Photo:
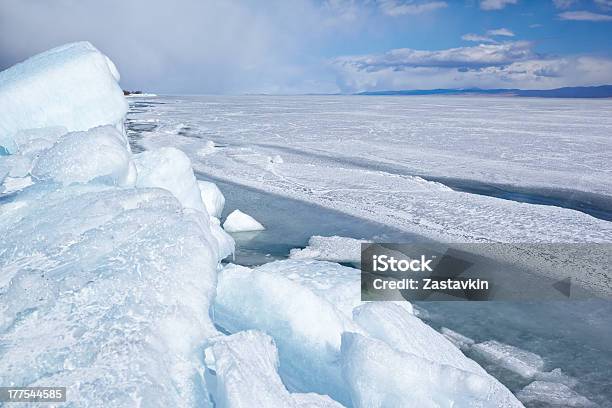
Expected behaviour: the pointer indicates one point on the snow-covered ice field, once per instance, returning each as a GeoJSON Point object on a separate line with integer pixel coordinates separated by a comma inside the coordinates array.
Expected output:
{"type": "Point", "coordinates": [553, 145]}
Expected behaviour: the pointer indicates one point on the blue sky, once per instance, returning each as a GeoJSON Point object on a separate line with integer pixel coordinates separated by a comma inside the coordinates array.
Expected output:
{"type": "Point", "coordinates": [304, 46]}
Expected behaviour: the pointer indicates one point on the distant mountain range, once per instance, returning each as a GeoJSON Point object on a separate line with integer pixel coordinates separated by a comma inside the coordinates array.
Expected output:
{"type": "Point", "coordinates": [603, 91]}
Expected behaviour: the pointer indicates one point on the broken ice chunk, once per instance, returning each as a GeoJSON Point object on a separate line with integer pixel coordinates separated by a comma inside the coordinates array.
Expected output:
{"type": "Point", "coordinates": [404, 332]}
{"type": "Point", "coordinates": [72, 86]}
{"type": "Point", "coordinates": [306, 327]}
{"type": "Point", "coordinates": [243, 373]}
{"type": "Point", "coordinates": [553, 394]}
{"type": "Point", "coordinates": [238, 221]}
{"type": "Point", "coordinates": [170, 169]}
{"type": "Point", "coordinates": [519, 361]}
{"type": "Point", "coordinates": [213, 198]}
{"type": "Point", "coordinates": [80, 157]}
{"type": "Point", "coordinates": [557, 376]}
{"type": "Point", "coordinates": [380, 376]}
{"type": "Point", "coordinates": [334, 249]}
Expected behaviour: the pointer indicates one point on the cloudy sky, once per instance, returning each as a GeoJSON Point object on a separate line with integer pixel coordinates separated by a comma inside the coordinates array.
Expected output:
{"type": "Point", "coordinates": [324, 46]}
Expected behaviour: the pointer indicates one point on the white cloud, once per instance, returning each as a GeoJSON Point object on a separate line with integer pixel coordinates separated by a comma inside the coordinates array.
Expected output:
{"type": "Point", "coordinates": [501, 32]}
{"type": "Point", "coordinates": [495, 4]}
{"type": "Point", "coordinates": [481, 55]}
{"type": "Point", "coordinates": [509, 65]}
{"type": "Point", "coordinates": [477, 38]}
{"type": "Point", "coordinates": [396, 8]}
{"type": "Point", "coordinates": [584, 16]}
{"type": "Point", "coordinates": [564, 4]}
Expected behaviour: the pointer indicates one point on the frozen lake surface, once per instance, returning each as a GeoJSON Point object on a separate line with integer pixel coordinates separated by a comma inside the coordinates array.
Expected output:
{"type": "Point", "coordinates": [404, 169]}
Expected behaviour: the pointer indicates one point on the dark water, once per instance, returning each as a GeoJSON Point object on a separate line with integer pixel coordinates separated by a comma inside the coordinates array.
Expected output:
{"type": "Point", "coordinates": [595, 205]}
{"type": "Point", "coordinates": [290, 223]}
{"type": "Point", "coordinates": [575, 336]}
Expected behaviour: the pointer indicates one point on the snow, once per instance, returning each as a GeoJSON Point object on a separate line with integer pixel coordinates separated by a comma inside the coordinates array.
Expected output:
{"type": "Point", "coordinates": [553, 395]}
{"type": "Point", "coordinates": [80, 157]}
{"type": "Point", "coordinates": [277, 159]}
{"type": "Point", "coordinates": [170, 169]}
{"type": "Point", "coordinates": [521, 362]}
{"type": "Point", "coordinates": [381, 376]}
{"type": "Point", "coordinates": [334, 249]}
{"type": "Point", "coordinates": [212, 197]}
{"type": "Point", "coordinates": [243, 373]}
{"type": "Point", "coordinates": [105, 278]}
{"type": "Point", "coordinates": [237, 221]}
{"type": "Point", "coordinates": [73, 86]}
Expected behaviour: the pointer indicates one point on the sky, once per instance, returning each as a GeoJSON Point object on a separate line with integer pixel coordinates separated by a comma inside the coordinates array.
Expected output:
{"type": "Point", "coordinates": [324, 46]}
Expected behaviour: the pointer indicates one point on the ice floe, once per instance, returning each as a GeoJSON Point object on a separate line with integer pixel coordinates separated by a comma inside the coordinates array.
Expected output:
{"type": "Point", "coordinates": [552, 394]}
{"type": "Point", "coordinates": [237, 221]}
{"type": "Point", "coordinates": [519, 361]}
{"type": "Point", "coordinates": [334, 249]}
{"type": "Point", "coordinates": [556, 376]}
